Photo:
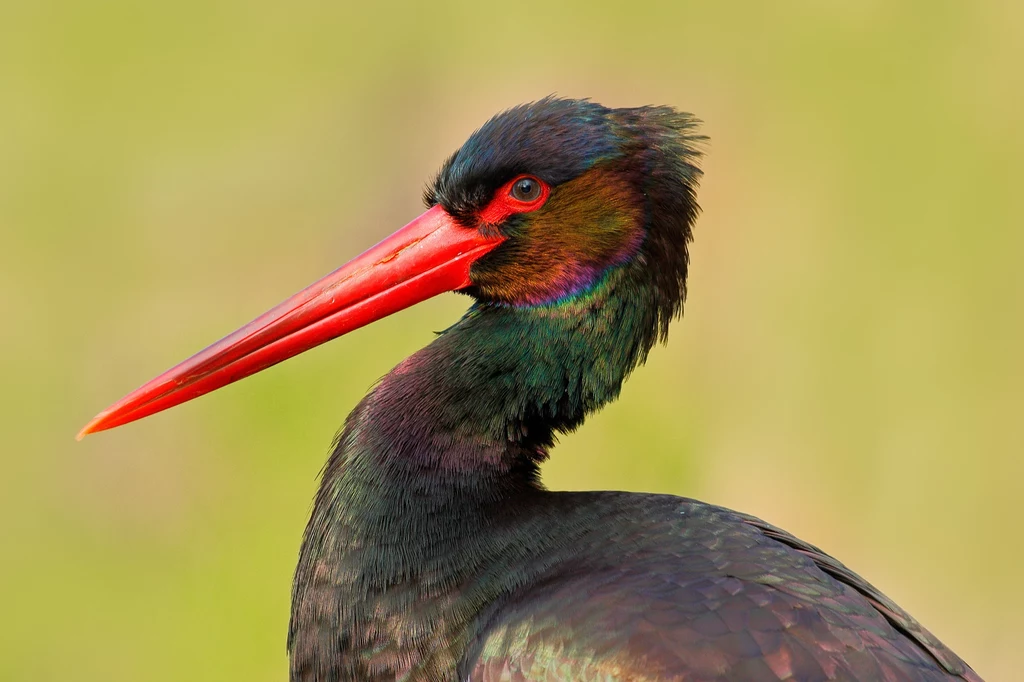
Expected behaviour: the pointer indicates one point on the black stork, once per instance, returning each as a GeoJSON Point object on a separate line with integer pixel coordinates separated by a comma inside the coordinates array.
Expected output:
{"type": "Point", "coordinates": [433, 551]}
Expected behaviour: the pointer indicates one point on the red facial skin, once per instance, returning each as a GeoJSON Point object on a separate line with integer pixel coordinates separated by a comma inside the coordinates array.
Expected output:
{"type": "Point", "coordinates": [504, 205]}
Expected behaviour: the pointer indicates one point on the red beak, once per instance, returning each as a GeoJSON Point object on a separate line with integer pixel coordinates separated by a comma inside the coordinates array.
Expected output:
{"type": "Point", "coordinates": [429, 256]}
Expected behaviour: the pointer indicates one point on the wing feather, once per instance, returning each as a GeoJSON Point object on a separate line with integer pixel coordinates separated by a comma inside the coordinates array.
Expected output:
{"type": "Point", "coordinates": [707, 594]}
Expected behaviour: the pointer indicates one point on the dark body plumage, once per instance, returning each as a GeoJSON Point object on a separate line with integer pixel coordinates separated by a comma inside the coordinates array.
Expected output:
{"type": "Point", "coordinates": [433, 552]}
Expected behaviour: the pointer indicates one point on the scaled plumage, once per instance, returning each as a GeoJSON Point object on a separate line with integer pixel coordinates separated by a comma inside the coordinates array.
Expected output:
{"type": "Point", "coordinates": [433, 551]}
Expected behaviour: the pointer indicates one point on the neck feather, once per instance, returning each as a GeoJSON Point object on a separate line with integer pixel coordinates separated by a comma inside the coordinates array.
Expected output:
{"type": "Point", "coordinates": [466, 421]}
{"type": "Point", "coordinates": [503, 381]}
{"type": "Point", "coordinates": [439, 464]}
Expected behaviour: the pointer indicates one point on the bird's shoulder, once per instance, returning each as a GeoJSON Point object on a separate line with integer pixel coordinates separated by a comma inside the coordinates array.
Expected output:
{"type": "Point", "coordinates": [669, 588]}
{"type": "Point", "coordinates": [901, 621]}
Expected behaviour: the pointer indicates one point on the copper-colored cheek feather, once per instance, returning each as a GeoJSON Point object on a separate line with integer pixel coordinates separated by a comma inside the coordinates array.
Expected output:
{"type": "Point", "coordinates": [433, 552]}
{"type": "Point", "coordinates": [588, 226]}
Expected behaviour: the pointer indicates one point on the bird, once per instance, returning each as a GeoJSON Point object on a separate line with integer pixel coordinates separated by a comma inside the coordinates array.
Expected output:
{"type": "Point", "coordinates": [433, 550]}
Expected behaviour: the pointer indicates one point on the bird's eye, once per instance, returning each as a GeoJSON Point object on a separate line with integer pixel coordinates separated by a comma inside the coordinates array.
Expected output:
{"type": "Point", "coordinates": [522, 194]}
{"type": "Point", "coordinates": [526, 189]}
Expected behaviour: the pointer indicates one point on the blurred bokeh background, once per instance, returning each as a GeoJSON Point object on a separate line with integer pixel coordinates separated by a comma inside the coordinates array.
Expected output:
{"type": "Point", "coordinates": [850, 365]}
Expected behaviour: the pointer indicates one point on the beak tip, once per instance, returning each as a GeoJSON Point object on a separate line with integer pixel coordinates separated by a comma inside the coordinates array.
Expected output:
{"type": "Point", "coordinates": [92, 427]}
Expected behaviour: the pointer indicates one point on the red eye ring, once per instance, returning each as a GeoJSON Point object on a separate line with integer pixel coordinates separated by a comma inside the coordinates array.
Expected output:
{"type": "Point", "coordinates": [506, 202]}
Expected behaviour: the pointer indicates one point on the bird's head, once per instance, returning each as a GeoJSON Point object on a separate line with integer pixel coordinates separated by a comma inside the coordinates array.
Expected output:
{"type": "Point", "coordinates": [575, 190]}
{"type": "Point", "coordinates": [540, 205]}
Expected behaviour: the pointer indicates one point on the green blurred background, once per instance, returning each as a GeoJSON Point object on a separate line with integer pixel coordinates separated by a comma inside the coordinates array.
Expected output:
{"type": "Point", "coordinates": [849, 367]}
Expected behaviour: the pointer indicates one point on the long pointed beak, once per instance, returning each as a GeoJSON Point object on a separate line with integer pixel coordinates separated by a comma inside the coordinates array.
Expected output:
{"type": "Point", "coordinates": [429, 256]}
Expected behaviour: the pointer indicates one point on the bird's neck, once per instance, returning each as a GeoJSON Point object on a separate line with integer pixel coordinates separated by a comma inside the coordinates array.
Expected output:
{"type": "Point", "coordinates": [444, 452]}
{"type": "Point", "coordinates": [488, 396]}
{"type": "Point", "coordinates": [467, 420]}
